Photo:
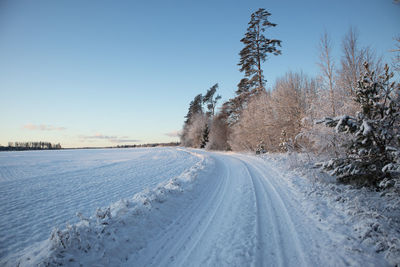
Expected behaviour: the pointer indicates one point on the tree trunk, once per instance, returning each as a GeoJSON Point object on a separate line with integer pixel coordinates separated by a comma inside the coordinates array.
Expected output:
{"type": "Point", "coordinates": [259, 57]}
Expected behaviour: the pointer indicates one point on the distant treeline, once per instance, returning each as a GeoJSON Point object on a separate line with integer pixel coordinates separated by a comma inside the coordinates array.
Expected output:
{"type": "Point", "coordinates": [151, 145]}
{"type": "Point", "coordinates": [19, 146]}
{"type": "Point", "coordinates": [12, 146]}
{"type": "Point", "coordinates": [133, 146]}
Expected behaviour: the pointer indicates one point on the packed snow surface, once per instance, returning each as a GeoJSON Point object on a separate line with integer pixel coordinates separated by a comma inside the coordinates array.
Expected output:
{"type": "Point", "coordinates": [206, 209]}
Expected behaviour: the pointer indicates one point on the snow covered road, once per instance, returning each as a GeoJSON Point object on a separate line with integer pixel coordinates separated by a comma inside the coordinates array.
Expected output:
{"type": "Point", "coordinates": [244, 216]}
{"type": "Point", "coordinates": [239, 219]}
{"type": "Point", "coordinates": [228, 209]}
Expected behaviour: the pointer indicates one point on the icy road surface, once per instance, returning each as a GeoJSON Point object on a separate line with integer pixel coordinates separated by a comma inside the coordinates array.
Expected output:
{"type": "Point", "coordinates": [226, 209]}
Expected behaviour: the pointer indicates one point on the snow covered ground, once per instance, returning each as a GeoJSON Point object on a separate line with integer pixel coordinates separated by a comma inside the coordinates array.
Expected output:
{"type": "Point", "coordinates": [205, 209]}
{"type": "Point", "coordinates": [40, 190]}
{"type": "Point", "coordinates": [369, 220]}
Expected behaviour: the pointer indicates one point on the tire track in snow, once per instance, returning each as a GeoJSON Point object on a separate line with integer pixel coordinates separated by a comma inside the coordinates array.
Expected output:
{"type": "Point", "coordinates": [287, 245]}
{"type": "Point", "coordinates": [228, 238]}
{"type": "Point", "coordinates": [201, 236]}
{"type": "Point", "coordinates": [218, 197]}
{"type": "Point", "coordinates": [180, 236]}
{"type": "Point", "coordinates": [264, 232]}
{"type": "Point", "coordinates": [214, 229]}
{"type": "Point", "coordinates": [321, 248]}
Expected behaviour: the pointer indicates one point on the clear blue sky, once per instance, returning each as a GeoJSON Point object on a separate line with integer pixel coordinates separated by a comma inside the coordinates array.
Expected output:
{"type": "Point", "coordinates": [95, 73]}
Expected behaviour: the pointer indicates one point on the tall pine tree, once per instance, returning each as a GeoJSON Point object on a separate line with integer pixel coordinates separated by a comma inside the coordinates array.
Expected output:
{"type": "Point", "coordinates": [195, 107]}
{"type": "Point", "coordinates": [257, 46]}
{"type": "Point", "coordinates": [255, 51]}
{"type": "Point", "coordinates": [210, 100]}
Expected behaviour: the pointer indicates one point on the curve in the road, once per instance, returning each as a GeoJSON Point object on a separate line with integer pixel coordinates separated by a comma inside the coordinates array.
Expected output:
{"type": "Point", "coordinates": [238, 219]}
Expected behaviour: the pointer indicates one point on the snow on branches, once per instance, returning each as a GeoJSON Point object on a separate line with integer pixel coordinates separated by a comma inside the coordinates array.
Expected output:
{"type": "Point", "coordinates": [372, 156]}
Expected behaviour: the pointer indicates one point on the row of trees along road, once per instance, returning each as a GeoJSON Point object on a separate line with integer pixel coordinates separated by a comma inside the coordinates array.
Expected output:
{"type": "Point", "coordinates": [354, 96]}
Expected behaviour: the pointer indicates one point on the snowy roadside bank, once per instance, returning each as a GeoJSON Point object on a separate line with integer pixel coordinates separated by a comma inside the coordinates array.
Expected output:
{"type": "Point", "coordinates": [369, 220]}
{"type": "Point", "coordinates": [120, 229]}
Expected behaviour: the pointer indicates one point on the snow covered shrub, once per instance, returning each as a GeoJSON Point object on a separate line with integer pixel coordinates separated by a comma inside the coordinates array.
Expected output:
{"type": "Point", "coordinates": [256, 125]}
{"type": "Point", "coordinates": [322, 141]}
{"type": "Point", "coordinates": [372, 155]}
{"type": "Point", "coordinates": [218, 136]}
{"type": "Point", "coordinates": [196, 130]}
{"type": "Point", "coordinates": [286, 144]}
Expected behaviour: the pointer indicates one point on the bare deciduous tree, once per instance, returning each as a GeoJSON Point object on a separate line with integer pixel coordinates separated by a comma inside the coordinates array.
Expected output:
{"type": "Point", "coordinates": [327, 67]}
{"type": "Point", "coordinates": [219, 132]}
{"type": "Point", "coordinates": [351, 67]}
{"type": "Point", "coordinates": [351, 62]}
{"type": "Point", "coordinates": [396, 58]}
{"type": "Point", "coordinates": [256, 125]}
{"type": "Point", "coordinates": [267, 114]}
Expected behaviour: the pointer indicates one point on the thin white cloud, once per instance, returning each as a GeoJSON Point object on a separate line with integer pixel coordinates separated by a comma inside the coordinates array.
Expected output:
{"type": "Point", "coordinates": [124, 141]}
{"type": "Point", "coordinates": [173, 134]}
{"type": "Point", "coordinates": [111, 138]}
{"type": "Point", "coordinates": [99, 136]}
{"type": "Point", "coordinates": [43, 127]}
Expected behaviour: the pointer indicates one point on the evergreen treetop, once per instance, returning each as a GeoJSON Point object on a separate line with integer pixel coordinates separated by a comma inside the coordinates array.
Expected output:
{"type": "Point", "coordinates": [257, 46]}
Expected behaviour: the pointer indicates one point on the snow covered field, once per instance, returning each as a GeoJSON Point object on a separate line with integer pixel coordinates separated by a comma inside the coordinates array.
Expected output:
{"type": "Point", "coordinates": [40, 190]}
{"type": "Point", "coordinates": [201, 209]}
